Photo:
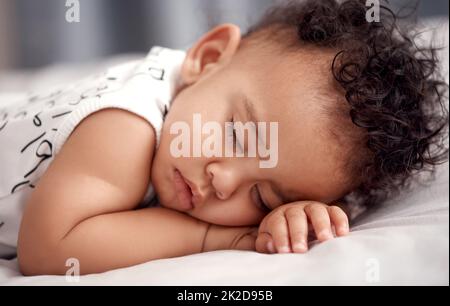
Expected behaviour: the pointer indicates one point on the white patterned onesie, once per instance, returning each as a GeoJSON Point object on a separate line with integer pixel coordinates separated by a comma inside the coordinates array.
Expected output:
{"type": "Point", "coordinates": [33, 130]}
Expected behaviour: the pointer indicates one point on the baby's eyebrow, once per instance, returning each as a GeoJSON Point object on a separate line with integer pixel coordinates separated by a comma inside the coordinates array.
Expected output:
{"type": "Point", "coordinates": [252, 116]}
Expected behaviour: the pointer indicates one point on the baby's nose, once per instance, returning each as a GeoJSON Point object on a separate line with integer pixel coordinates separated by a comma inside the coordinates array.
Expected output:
{"type": "Point", "coordinates": [225, 178]}
{"type": "Point", "coordinates": [219, 194]}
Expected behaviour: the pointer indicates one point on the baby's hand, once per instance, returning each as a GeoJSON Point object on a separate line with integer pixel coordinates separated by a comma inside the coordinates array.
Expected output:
{"type": "Point", "coordinates": [285, 229]}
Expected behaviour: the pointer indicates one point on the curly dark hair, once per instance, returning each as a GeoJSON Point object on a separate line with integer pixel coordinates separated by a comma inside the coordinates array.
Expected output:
{"type": "Point", "coordinates": [393, 89]}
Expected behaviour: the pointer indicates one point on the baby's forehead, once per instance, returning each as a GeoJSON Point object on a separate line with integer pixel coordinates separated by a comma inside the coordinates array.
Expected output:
{"type": "Point", "coordinates": [285, 76]}
{"type": "Point", "coordinates": [269, 53]}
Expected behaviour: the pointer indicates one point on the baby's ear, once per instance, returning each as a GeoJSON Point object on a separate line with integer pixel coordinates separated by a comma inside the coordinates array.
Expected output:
{"type": "Point", "coordinates": [212, 50]}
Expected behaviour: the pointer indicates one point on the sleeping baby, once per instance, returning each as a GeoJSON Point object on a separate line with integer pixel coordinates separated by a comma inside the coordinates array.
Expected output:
{"type": "Point", "coordinates": [258, 142]}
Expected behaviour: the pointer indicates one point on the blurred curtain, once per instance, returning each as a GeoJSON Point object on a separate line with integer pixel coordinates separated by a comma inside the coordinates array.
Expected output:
{"type": "Point", "coordinates": [34, 33]}
{"type": "Point", "coordinates": [116, 26]}
{"type": "Point", "coordinates": [8, 35]}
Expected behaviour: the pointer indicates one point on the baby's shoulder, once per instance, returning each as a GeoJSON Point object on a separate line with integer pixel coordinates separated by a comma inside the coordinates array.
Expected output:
{"type": "Point", "coordinates": [112, 145]}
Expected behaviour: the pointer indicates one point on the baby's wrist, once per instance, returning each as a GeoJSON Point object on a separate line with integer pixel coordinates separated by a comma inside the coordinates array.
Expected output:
{"type": "Point", "coordinates": [219, 237]}
{"type": "Point", "coordinates": [214, 238]}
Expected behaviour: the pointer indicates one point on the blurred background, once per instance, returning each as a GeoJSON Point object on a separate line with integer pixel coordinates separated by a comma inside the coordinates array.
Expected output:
{"type": "Point", "coordinates": [35, 33]}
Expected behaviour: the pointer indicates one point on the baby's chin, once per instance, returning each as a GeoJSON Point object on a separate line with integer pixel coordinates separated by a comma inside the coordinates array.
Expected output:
{"type": "Point", "coordinates": [167, 203]}
{"type": "Point", "coordinates": [164, 199]}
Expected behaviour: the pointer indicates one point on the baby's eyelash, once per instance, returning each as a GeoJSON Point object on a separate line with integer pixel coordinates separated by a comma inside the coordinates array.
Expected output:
{"type": "Point", "coordinates": [232, 125]}
{"type": "Point", "coordinates": [260, 202]}
{"type": "Point", "coordinates": [234, 134]}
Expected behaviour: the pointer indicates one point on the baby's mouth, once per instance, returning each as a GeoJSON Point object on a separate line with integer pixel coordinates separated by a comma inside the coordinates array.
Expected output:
{"type": "Point", "coordinates": [183, 191]}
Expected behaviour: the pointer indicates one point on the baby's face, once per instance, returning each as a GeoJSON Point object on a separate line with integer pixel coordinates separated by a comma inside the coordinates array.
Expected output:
{"type": "Point", "coordinates": [281, 89]}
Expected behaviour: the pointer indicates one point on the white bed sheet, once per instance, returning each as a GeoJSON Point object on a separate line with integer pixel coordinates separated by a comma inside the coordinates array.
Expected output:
{"type": "Point", "coordinates": [403, 242]}
{"type": "Point", "coordinates": [407, 240]}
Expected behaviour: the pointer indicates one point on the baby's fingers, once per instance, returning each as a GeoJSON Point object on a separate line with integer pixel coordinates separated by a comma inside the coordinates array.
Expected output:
{"type": "Point", "coordinates": [280, 234]}
{"type": "Point", "coordinates": [320, 220]}
{"type": "Point", "coordinates": [339, 220]}
{"type": "Point", "coordinates": [298, 229]}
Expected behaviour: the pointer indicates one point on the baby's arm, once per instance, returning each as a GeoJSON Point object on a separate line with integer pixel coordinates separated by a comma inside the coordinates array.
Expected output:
{"type": "Point", "coordinates": [83, 206]}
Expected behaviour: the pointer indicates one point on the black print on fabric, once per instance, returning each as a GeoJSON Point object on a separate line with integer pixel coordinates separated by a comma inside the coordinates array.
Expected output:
{"type": "Point", "coordinates": [18, 185]}
{"type": "Point", "coordinates": [50, 103]}
{"type": "Point", "coordinates": [36, 120]}
{"type": "Point", "coordinates": [22, 114]}
{"type": "Point", "coordinates": [33, 99]}
{"type": "Point", "coordinates": [3, 119]}
{"type": "Point", "coordinates": [62, 114]}
{"type": "Point", "coordinates": [95, 92]}
{"type": "Point", "coordinates": [157, 73]}
{"type": "Point", "coordinates": [40, 146]}
{"type": "Point", "coordinates": [43, 151]}
{"type": "Point", "coordinates": [73, 98]}
{"type": "Point", "coordinates": [51, 95]}
{"type": "Point", "coordinates": [165, 112]}
{"type": "Point", "coordinates": [156, 51]}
